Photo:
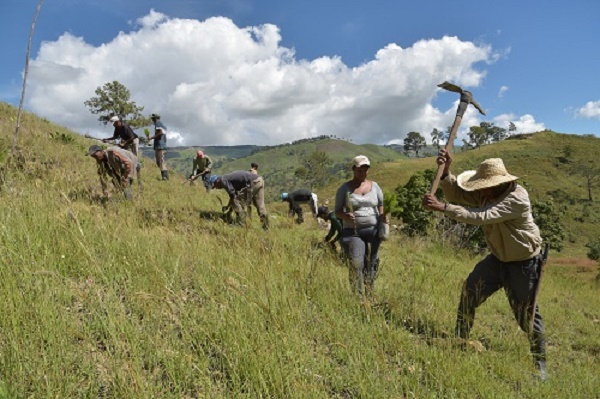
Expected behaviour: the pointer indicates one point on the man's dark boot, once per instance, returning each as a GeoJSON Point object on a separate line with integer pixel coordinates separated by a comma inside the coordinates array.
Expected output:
{"type": "Point", "coordinates": [540, 366]}
{"type": "Point", "coordinates": [240, 219]}
{"type": "Point", "coordinates": [265, 222]}
{"type": "Point", "coordinates": [164, 174]}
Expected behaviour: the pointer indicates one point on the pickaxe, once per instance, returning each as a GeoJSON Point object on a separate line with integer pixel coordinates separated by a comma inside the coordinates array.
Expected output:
{"type": "Point", "coordinates": [122, 144]}
{"type": "Point", "coordinates": [537, 286]}
{"type": "Point", "coordinates": [87, 136]}
{"type": "Point", "coordinates": [466, 98]}
{"type": "Point", "coordinates": [192, 178]}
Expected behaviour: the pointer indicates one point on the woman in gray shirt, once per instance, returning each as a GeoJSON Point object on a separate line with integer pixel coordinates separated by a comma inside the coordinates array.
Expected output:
{"type": "Point", "coordinates": [359, 205]}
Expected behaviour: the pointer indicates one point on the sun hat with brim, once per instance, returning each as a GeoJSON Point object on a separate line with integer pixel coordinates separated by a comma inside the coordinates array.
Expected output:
{"type": "Point", "coordinates": [490, 173]}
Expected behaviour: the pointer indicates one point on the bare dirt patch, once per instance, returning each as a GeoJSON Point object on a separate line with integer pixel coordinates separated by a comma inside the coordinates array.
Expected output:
{"type": "Point", "coordinates": [581, 264]}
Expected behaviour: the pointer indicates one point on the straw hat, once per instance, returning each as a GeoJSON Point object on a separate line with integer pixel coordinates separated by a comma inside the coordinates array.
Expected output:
{"type": "Point", "coordinates": [490, 173]}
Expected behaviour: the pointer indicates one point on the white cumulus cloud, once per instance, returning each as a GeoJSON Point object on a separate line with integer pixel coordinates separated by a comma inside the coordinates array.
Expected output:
{"type": "Point", "coordinates": [213, 82]}
{"type": "Point", "coordinates": [524, 124]}
{"type": "Point", "coordinates": [590, 110]}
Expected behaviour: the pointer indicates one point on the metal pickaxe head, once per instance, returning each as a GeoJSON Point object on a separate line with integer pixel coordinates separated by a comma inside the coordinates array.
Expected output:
{"type": "Point", "coordinates": [466, 98]}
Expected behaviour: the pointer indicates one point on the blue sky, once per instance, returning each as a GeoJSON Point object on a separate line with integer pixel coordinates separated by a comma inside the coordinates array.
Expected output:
{"type": "Point", "coordinates": [265, 72]}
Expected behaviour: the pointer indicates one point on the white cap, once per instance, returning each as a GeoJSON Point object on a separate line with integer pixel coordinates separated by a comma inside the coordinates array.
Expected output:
{"type": "Point", "coordinates": [114, 119]}
{"type": "Point", "coordinates": [360, 161]}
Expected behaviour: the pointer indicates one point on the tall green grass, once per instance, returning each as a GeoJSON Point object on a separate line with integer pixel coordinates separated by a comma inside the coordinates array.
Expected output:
{"type": "Point", "coordinates": [160, 298]}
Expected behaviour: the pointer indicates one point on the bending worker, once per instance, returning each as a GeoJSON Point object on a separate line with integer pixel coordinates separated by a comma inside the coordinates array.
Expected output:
{"type": "Point", "coordinates": [298, 197]}
{"type": "Point", "coordinates": [335, 226]}
{"type": "Point", "coordinates": [118, 164]}
{"type": "Point", "coordinates": [243, 187]}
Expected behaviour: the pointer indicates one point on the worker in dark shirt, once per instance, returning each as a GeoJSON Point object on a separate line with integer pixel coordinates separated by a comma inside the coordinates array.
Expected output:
{"type": "Point", "coordinates": [298, 197]}
{"type": "Point", "coordinates": [123, 132]}
{"type": "Point", "coordinates": [243, 187]}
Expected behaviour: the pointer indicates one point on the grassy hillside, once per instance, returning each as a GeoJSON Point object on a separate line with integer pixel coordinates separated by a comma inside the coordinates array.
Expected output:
{"type": "Point", "coordinates": [160, 298]}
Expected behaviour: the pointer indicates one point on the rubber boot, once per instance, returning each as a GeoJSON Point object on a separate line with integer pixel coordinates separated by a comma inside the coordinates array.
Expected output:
{"type": "Point", "coordinates": [241, 219]}
{"type": "Point", "coordinates": [128, 193]}
{"type": "Point", "coordinates": [139, 177]}
{"type": "Point", "coordinates": [540, 366]}
{"type": "Point", "coordinates": [265, 222]}
{"type": "Point", "coordinates": [164, 174]}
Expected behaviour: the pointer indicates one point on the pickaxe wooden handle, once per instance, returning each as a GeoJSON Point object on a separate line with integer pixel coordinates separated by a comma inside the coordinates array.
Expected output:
{"type": "Point", "coordinates": [537, 287]}
{"type": "Point", "coordinates": [87, 136]}
{"type": "Point", "coordinates": [466, 98]}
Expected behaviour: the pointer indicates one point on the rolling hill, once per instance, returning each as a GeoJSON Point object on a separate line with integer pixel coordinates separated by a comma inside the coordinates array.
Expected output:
{"type": "Point", "coordinates": [159, 297]}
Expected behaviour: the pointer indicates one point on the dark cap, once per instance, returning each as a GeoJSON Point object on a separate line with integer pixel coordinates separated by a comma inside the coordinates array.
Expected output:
{"type": "Point", "coordinates": [254, 165]}
{"type": "Point", "coordinates": [155, 116]}
{"type": "Point", "coordinates": [322, 211]}
{"type": "Point", "coordinates": [94, 149]}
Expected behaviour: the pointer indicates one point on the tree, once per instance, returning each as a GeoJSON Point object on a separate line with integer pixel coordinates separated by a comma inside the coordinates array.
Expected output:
{"type": "Point", "coordinates": [436, 137]}
{"type": "Point", "coordinates": [477, 136]}
{"type": "Point", "coordinates": [493, 133]}
{"type": "Point", "coordinates": [414, 142]}
{"type": "Point", "coordinates": [590, 171]}
{"type": "Point", "coordinates": [317, 168]}
{"type": "Point", "coordinates": [497, 134]}
{"type": "Point", "coordinates": [114, 99]}
{"type": "Point", "coordinates": [512, 128]}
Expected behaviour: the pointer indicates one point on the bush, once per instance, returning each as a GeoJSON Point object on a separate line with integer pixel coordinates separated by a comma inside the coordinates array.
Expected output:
{"type": "Point", "coordinates": [547, 216]}
{"type": "Point", "coordinates": [594, 250]}
{"type": "Point", "coordinates": [409, 198]}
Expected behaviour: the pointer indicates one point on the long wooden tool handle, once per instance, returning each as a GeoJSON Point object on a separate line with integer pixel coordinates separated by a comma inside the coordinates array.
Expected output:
{"type": "Point", "coordinates": [448, 148]}
{"type": "Point", "coordinates": [537, 286]}
{"type": "Point", "coordinates": [87, 136]}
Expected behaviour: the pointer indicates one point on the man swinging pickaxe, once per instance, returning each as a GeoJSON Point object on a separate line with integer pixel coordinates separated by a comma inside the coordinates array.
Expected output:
{"type": "Point", "coordinates": [491, 197]}
{"type": "Point", "coordinates": [466, 98]}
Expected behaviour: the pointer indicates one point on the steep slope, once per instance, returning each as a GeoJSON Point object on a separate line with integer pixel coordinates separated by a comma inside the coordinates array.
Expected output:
{"type": "Point", "coordinates": [159, 298]}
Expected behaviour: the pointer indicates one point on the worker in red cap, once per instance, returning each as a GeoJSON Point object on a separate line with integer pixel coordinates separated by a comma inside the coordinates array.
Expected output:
{"type": "Point", "coordinates": [201, 168]}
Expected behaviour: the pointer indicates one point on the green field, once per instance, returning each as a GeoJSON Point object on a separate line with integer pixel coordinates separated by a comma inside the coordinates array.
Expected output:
{"type": "Point", "coordinates": [159, 298]}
